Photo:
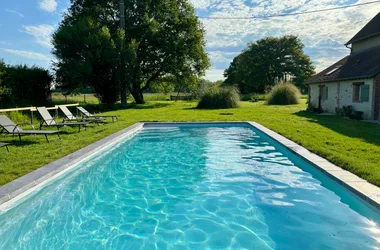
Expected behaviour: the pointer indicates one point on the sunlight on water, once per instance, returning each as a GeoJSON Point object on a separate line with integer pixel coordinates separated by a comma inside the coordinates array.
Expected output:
{"type": "Point", "coordinates": [192, 188]}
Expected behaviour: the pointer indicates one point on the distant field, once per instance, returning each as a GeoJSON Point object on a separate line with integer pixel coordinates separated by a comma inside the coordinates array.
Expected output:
{"type": "Point", "coordinates": [59, 98]}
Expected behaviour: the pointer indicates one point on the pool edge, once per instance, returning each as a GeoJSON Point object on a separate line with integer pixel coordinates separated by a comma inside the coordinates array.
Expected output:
{"type": "Point", "coordinates": [357, 185]}
{"type": "Point", "coordinates": [18, 188]}
{"type": "Point", "coordinates": [24, 184]}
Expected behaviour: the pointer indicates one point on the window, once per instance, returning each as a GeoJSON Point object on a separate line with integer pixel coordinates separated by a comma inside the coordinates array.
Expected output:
{"type": "Point", "coordinates": [356, 93]}
{"type": "Point", "coordinates": [333, 70]}
{"type": "Point", "coordinates": [360, 92]}
{"type": "Point", "coordinates": [324, 92]}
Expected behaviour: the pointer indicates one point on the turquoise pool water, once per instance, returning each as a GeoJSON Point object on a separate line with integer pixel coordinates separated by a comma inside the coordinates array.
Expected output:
{"type": "Point", "coordinates": [215, 187]}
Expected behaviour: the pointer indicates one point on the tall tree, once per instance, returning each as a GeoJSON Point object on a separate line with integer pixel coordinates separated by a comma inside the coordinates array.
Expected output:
{"type": "Point", "coordinates": [165, 36]}
{"type": "Point", "coordinates": [87, 55]}
{"type": "Point", "coordinates": [267, 61]}
{"type": "Point", "coordinates": [123, 91]}
{"type": "Point", "coordinates": [4, 91]}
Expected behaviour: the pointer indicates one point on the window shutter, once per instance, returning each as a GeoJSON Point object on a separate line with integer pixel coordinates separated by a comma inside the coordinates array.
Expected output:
{"type": "Point", "coordinates": [364, 93]}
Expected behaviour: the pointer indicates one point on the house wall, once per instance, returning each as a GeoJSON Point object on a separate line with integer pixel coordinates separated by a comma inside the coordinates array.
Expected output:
{"type": "Point", "coordinates": [366, 44]}
{"type": "Point", "coordinates": [343, 98]}
{"type": "Point", "coordinates": [376, 98]}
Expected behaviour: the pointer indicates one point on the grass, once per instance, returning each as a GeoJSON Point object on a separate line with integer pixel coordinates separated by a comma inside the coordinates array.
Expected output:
{"type": "Point", "coordinates": [353, 145]}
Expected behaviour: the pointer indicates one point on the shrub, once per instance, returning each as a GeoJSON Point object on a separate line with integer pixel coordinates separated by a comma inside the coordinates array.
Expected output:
{"type": "Point", "coordinates": [220, 98]}
{"type": "Point", "coordinates": [284, 94]}
{"type": "Point", "coordinates": [350, 112]}
{"type": "Point", "coordinates": [26, 85]}
{"type": "Point", "coordinates": [5, 93]}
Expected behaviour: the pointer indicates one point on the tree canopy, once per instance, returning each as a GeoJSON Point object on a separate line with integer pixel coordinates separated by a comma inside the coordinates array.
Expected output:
{"type": "Point", "coordinates": [87, 53]}
{"type": "Point", "coordinates": [161, 38]}
{"type": "Point", "coordinates": [21, 85]}
{"type": "Point", "coordinates": [267, 61]}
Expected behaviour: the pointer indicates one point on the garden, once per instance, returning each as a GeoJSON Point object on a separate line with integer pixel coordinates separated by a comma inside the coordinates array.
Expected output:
{"type": "Point", "coordinates": [352, 145]}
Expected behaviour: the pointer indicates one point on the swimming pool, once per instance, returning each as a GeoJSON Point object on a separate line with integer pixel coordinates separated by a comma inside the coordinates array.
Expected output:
{"type": "Point", "coordinates": [192, 187]}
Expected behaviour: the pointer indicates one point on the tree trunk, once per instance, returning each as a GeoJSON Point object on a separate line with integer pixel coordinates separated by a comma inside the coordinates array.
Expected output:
{"type": "Point", "coordinates": [138, 96]}
{"type": "Point", "coordinates": [123, 91]}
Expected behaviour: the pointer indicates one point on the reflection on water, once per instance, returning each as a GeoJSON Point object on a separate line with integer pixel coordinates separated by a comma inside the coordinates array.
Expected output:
{"type": "Point", "coordinates": [192, 188]}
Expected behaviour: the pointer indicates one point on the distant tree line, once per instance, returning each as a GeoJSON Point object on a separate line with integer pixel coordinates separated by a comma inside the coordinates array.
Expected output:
{"type": "Point", "coordinates": [21, 85]}
{"type": "Point", "coordinates": [161, 39]}
{"type": "Point", "coordinates": [269, 61]}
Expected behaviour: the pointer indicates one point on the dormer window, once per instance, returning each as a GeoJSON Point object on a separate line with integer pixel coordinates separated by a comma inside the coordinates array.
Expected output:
{"type": "Point", "coordinates": [333, 70]}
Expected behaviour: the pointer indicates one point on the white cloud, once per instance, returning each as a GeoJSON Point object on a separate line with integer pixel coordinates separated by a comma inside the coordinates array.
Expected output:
{"type": "Point", "coordinates": [14, 12]}
{"type": "Point", "coordinates": [41, 33]}
{"type": "Point", "coordinates": [221, 56]}
{"type": "Point", "coordinates": [48, 5]}
{"type": "Point", "coordinates": [28, 54]}
{"type": "Point", "coordinates": [214, 75]}
{"type": "Point", "coordinates": [204, 4]}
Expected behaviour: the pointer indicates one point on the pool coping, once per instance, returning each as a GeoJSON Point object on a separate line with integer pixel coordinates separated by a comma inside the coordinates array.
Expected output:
{"type": "Point", "coordinates": [15, 190]}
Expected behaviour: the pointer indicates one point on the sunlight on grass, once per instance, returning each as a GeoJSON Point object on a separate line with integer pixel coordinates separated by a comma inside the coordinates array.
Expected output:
{"type": "Point", "coordinates": [350, 144]}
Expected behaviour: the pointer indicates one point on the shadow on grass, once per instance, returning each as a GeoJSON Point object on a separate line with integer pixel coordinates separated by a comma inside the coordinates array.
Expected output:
{"type": "Point", "coordinates": [148, 106]}
{"type": "Point", "coordinates": [193, 108]}
{"type": "Point", "coordinates": [356, 129]}
{"type": "Point", "coordinates": [15, 142]}
{"type": "Point", "coordinates": [222, 113]}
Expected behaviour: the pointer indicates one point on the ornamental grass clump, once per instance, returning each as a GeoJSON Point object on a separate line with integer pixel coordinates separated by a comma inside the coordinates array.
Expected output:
{"type": "Point", "coordinates": [284, 94]}
{"type": "Point", "coordinates": [220, 98]}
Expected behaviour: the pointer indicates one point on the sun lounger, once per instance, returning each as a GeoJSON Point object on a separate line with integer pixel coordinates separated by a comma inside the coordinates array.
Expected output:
{"type": "Point", "coordinates": [70, 117]}
{"type": "Point", "coordinates": [49, 121]}
{"type": "Point", "coordinates": [87, 114]}
{"type": "Point", "coordinates": [9, 127]}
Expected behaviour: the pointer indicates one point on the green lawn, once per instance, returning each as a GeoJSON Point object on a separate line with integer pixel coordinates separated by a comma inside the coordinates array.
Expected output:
{"type": "Point", "coordinates": [352, 145]}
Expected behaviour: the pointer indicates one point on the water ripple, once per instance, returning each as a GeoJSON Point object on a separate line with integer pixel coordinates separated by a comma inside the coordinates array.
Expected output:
{"type": "Point", "coordinates": [191, 188]}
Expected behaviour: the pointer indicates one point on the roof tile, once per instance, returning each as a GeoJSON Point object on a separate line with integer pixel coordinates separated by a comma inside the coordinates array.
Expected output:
{"type": "Point", "coordinates": [365, 64]}
{"type": "Point", "coordinates": [372, 28]}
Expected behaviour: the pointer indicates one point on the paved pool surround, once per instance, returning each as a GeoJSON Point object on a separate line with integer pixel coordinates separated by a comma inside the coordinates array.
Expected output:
{"type": "Point", "coordinates": [19, 188]}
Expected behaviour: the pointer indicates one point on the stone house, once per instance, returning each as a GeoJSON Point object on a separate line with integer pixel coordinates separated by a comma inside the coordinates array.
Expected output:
{"type": "Point", "coordinates": [354, 80]}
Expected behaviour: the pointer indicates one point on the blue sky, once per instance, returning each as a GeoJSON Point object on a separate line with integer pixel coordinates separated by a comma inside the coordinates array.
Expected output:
{"type": "Point", "coordinates": [26, 27]}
